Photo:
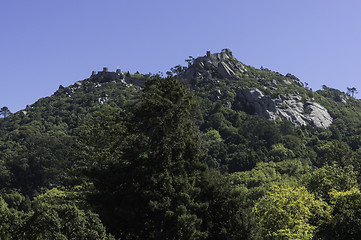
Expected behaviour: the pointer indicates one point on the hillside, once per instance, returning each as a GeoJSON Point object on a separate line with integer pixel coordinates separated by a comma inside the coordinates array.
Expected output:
{"type": "Point", "coordinates": [117, 148]}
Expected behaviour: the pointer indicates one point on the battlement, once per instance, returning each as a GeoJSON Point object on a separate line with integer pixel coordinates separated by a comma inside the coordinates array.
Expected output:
{"type": "Point", "coordinates": [106, 76]}
{"type": "Point", "coordinates": [106, 71]}
{"type": "Point", "coordinates": [224, 54]}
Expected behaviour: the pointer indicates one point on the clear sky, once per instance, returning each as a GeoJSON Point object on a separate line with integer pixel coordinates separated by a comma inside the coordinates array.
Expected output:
{"type": "Point", "coordinates": [44, 44]}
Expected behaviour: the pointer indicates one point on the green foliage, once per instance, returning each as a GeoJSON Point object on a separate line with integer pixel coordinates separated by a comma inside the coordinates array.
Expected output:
{"type": "Point", "coordinates": [288, 213]}
{"type": "Point", "coordinates": [261, 178]}
{"type": "Point", "coordinates": [6, 221]}
{"type": "Point", "coordinates": [214, 147]}
{"type": "Point", "coordinates": [343, 109]}
{"type": "Point", "coordinates": [56, 217]}
{"type": "Point", "coordinates": [323, 180]}
{"type": "Point", "coordinates": [226, 215]}
{"type": "Point", "coordinates": [150, 175]}
{"type": "Point", "coordinates": [38, 145]}
{"type": "Point", "coordinates": [4, 111]}
{"type": "Point", "coordinates": [345, 221]}
{"type": "Point", "coordinates": [139, 152]}
{"type": "Point", "coordinates": [334, 152]}
{"type": "Point", "coordinates": [146, 164]}
{"type": "Point", "coordinates": [280, 152]}
{"type": "Point", "coordinates": [352, 91]}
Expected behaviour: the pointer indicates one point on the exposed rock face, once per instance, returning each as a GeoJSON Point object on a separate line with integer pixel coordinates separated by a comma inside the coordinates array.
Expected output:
{"type": "Point", "coordinates": [103, 99]}
{"type": "Point", "coordinates": [319, 115]}
{"type": "Point", "coordinates": [225, 70]}
{"type": "Point", "coordinates": [289, 107]}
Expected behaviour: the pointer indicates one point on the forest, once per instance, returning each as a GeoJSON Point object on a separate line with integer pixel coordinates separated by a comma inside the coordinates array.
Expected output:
{"type": "Point", "coordinates": [168, 160]}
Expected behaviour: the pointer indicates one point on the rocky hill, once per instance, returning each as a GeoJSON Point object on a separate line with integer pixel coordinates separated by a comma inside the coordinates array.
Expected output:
{"type": "Point", "coordinates": [243, 113]}
{"type": "Point", "coordinates": [221, 77]}
{"type": "Point", "coordinates": [263, 96]}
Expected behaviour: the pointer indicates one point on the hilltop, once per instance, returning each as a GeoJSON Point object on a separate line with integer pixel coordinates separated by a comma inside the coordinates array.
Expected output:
{"type": "Point", "coordinates": [263, 93]}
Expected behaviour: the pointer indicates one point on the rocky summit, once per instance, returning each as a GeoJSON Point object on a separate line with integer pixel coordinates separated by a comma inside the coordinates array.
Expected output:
{"type": "Point", "coordinates": [269, 98]}
{"type": "Point", "coordinates": [213, 66]}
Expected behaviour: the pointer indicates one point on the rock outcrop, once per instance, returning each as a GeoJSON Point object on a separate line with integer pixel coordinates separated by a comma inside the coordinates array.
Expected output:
{"type": "Point", "coordinates": [214, 68]}
{"type": "Point", "coordinates": [217, 65]}
{"type": "Point", "coordinates": [225, 71]}
{"type": "Point", "coordinates": [289, 107]}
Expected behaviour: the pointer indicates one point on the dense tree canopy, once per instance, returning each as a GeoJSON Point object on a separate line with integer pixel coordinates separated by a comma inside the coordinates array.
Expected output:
{"type": "Point", "coordinates": [168, 158]}
{"type": "Point", "coordinates": [153, 176]}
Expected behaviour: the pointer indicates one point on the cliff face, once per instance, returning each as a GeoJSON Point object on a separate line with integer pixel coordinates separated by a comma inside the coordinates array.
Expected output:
{"type": "Point", "coordinates": [260, 92]}
{"type": "Point", "coordinates": [289, 107]}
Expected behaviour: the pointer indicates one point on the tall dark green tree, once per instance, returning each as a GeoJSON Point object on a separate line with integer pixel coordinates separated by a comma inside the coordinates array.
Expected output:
{"type": "Point", "coordinates": [146, 166]}
{"type": "Point", "coordinates": [147, 181]}
{"type": "Point", "coordinates": [226, 215]}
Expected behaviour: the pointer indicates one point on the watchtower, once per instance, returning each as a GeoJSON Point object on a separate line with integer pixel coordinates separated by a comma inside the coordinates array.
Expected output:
{"type": "Point", "coordinates": [208, 54]}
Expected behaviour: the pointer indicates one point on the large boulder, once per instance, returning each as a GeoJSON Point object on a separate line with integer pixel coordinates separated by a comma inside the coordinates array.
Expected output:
{"type": "Point", "coordinates": [289, 107]}
{"type": "Point", "coordinates": [318, 116]}
{"type": "Point", "coordinates": [225, 71]}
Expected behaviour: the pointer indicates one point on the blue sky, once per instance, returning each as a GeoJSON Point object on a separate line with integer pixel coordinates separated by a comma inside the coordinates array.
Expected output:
{"type": "Point", "coordinates": [44, 44]}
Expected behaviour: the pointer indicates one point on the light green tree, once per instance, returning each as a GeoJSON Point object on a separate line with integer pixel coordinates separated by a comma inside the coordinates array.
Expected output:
{"type": "Point", "coordinates": [10, 222]}
{"type": "Point", "coordinates": [321, 181]}
{"type": "Point", "coordinates": [334, 152]}
{"type": "Point", "coordinates": [289, 213]}
{"type": "Point", "coordinates": [56, 215]}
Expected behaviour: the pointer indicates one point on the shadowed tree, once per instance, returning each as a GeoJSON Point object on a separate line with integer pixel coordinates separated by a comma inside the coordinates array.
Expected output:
{"type": "Point", "coordinates": [4, 111]}
{"type": "Point", "coordinates": [147, 165]}
{"type": "Point", "coordinates": [351, 91]}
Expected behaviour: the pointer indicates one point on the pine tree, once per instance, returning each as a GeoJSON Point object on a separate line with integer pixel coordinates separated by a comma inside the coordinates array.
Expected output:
{"type": "Point", "coordinates": [4, 111]}
{"type": "Point", "coordinates": [147, 182]}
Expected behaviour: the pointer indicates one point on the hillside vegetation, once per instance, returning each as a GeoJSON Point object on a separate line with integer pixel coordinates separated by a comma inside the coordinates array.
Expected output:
{"type": "Point", "coordinates": [214, 150]}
